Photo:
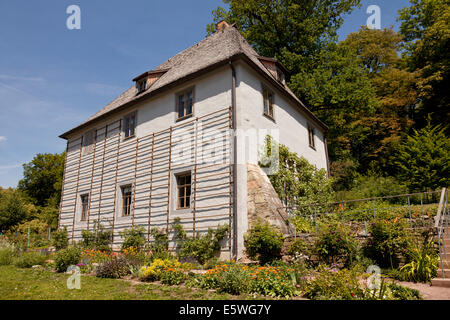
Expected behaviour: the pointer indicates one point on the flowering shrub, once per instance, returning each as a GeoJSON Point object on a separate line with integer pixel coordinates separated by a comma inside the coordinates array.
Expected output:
{"type": "Point", "coordinates": [169, 271]}
{"type": "Point", "coordinates": [388, 242]}
{"type": "Point", "coordinates": [335, 243]}
{"type": "Point", "coordinates": [95, 256]}
{"type": "Point", "coordinates": [236, 279]}
{"type": "Point", "coordinates": [117, 267]}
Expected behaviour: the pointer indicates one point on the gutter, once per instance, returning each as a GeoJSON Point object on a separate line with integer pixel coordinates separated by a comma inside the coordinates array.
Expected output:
{"type": "Point", "coordinates": [234, 252]}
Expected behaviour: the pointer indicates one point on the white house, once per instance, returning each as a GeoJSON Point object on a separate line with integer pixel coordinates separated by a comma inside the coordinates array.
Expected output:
{"type": "Point", "coordinates": [173, 144]}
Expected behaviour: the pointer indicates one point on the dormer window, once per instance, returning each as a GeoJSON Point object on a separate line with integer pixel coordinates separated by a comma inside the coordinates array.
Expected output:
{"type": "Point", "coordinates": [141, 85]}
{"type": "Point", "coordinates": [280, 76]}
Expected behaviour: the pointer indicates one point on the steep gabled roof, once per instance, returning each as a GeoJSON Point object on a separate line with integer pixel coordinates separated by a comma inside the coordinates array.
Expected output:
{"type": "Point", "coordinates": [214, 50]}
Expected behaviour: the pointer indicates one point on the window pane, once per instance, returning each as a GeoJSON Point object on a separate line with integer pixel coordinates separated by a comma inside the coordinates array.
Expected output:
{"type": "Point", "coordinates": [132, 124]}
{"type": "Point", "coordinates": [188, 191]}
{"type": "Point", "coordinates": [127, 127]}
{"type": "Point", "coordinates": [181, 203]}
{"type": "Point", "coordinates": [189, 102]}
{"type": "Point", "coordinates": [180, 106]}
{"type": "Point", "coordinates": [188, 202]}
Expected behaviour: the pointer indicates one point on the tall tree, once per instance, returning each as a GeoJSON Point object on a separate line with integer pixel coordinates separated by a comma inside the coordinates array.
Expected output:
{"type": "Point", "coordinates": [422, 160]}
{"type": "Point", "coordinates": [42, 178]}
{"type": "Point", "coordinates": [426, 29]}
{"type": "Point", "coordinates": [377, 52]}
{"type": "Point", "coordinates": [293, 31]}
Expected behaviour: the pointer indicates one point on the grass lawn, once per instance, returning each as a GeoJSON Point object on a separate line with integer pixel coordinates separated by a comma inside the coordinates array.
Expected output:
{"type": "Point", "coordinates": [35, 284]}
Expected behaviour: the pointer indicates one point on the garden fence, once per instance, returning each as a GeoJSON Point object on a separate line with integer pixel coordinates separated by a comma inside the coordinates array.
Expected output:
{"type": "Point", "coordinates": [418, 208]}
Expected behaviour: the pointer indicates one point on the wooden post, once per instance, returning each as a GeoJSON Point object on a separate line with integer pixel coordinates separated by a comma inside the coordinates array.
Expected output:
{"type": "Point", "coordinates": [63, 182]}
{"type": "Point", "coordinates": [101, 179]}
{"type": "Point", "coordinates": [115, 180]}
{"type": "Point", "coordinates": [195, 178]}
{"type": "Point", "coordinates": [134, 183]}
{"type": "Point", "coordinates": [150, 193]}
{"type": "Point", "coordinates": [168, 181]}
{"type": "Point", "coordinates": [92, 176]}
{"type": "Point", "coordinates": [76, 191]}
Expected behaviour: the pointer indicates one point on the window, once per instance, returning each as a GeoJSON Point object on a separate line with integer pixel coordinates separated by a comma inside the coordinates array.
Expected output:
{"type": "Point", "coordinates": [185, 102]}
{"type": "Point", "coordinates": [183, 191]}
{"type": "Point", "coordinates": [126, 200]}
{"type": "Point", "coordinates": [311, 137]}
{"type": "Point", "coordinates": [268, 103]}
{"type": "Point", "coordinates": [84, 206]}
{"type": "Point", "coordinates": [129, 125]}
{"type": "Point", "coordinates": [280, 76]}
{"type": "Point", "coordinates": [141, 85]}
{"type": "Point", "coordinates": [88, 142]}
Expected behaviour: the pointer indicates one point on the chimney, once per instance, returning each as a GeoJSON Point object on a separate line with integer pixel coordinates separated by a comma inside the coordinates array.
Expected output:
{"type": "Point", "coordinates": [222, 25]}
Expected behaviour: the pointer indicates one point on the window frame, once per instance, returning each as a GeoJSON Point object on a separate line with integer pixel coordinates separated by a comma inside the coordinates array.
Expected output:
{"type": "Point", "coordinates": [124, 197]}
{"type": "Point", "coordinates": [311, 136]}
{"type": "Point", "coordinates": [187, 205]}
{"type": "Point", "coordinates": [177, 105]}
{"type": "Point", "coordinates": [141, 85]}
{"type": "Point", "coordinates": [84, 202]}
{"type": "Point", "coordinates": [89, 148]}
{"type": "Point", "coordinates": [124, 129]}
{"type": "Point", "coordinates": [267, 91]}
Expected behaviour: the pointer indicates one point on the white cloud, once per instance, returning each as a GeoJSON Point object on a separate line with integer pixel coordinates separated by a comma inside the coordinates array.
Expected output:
{"type": "Point", "coordinates": [2, 138]}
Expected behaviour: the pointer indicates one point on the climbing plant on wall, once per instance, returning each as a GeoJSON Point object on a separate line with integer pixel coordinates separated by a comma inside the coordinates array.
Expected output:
{"type": "Point", "coordinates": [297, 182]}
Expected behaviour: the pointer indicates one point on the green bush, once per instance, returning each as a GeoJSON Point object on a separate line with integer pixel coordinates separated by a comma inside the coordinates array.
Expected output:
{"type": "Point", "coordinates": [233, 280]}
{"type": "Point", "coordinates": [99, 239]}
{"type": "Point", "coordinates": [423, 265]}
{"type": "Point", "coordinates": [388, 242]}
{"type": "Point", "coordinates": [203, 247]}
{"type": "Point", "coordinates": [29, 259]}
{"type": "Point", "coordinates": [336, 244]}
{"type": "Point", "coordinates": [264, 242]}
{"type": "Point", "coordinates": [133, 237]}
{"type": "Point", "coordinates": [160, 246]}
{"type": "Point", "coordinates": [303, 224]}
{"type": "Point", "coordinates": [38, 231]}
{"type": "Point", "coordinates": [331, 284]}
{"type": "Point", "coordinates": [404, 293]}
{"type": "Point", "coordinates": [7, 256]}
{"type": "Point", "coordinates": [60, 239]}
{"type": "Point", "coordinates": [67, 257]}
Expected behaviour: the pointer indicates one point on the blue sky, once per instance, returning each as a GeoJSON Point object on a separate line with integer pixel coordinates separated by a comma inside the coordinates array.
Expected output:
{"type": "Point", "coordinates": [53, 78]}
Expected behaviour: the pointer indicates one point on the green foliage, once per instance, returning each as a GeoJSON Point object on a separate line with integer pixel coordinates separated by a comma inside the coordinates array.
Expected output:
{"type": "Point", "coordinates": [60, 239]}
{"type": "Point", "coordinates": [13, 209]}
{"type": "Point", "coordinates": [99, 239]}
{"type": "Point", "coordinates": [423, 265]}
{"type": "Point", "coordinates": [302, 224]}
{"type": "Point", "coordinates": [305, 183]}
{"type": "Point", "coordinates": [263, 242]}
{"type": "Point", "coordinates": [115, 268]}
{"type": "Point", "coordinates": [203, 247]}
{"type": "Point", "coordinates": [233, 280]}
{"type": "Point", "coordinates": [42, 178]}
{"type": "Point", "coordinates": [133, 237]}
{"type": "Point", "coordinates": [404, 293]}
{"type": "Point", "coordinates": [388, 242]}
{"type": "Point", "coordinates": [7, 255]}
{"type": "Point", "coordinates": [331, 284]}
{"type": "Point", "coordinates": [38, 234]}
{"type": "Point", "coordinates": [67, 257]}
{"type": "Point", "coordinates": [336, 243]}
{"type": "Point", "coordinates": [372, 186]}
{"type": "Point", "coordinates": [422, 160]}
{"type": "Point", "coordinates": [29, 259]}
{"type": "Point", "coordinates": [159, 247]}
{"type": "Point", "coordinates": [425, 27]}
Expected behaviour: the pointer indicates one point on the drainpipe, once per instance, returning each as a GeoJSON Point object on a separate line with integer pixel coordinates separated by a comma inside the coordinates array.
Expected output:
{"type": "Point", "coordinates": [233, 115]}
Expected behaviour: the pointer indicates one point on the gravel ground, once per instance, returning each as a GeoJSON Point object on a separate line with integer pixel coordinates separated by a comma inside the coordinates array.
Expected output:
{"type": "Point", "coordinates": [429, 292]}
